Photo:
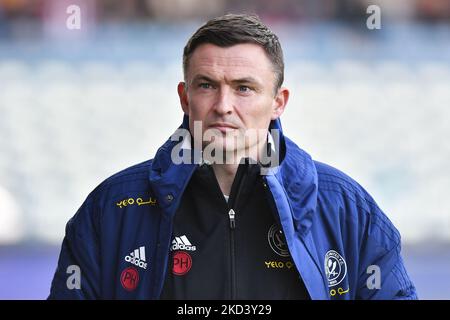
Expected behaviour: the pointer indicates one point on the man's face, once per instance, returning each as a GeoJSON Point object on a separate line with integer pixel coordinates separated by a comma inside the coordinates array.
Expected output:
{"type": "Point", "coordinates": [231, 90]}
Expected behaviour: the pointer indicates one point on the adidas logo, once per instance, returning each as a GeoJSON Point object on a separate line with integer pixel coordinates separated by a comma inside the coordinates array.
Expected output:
{"type": "Point", "coordinates": [182, 243]}
{"type": "Point", "coordinates": [137, 257]}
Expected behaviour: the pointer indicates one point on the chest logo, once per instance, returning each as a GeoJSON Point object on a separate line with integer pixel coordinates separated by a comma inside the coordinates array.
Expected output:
{"type": "Point", "coordinates": [139, 202]}
{"type": "Point", "coordinates": [182, 243]}
{"type": "Point", "coordinates": [137, 257]}
{"type": "Point", "coordinates": [129, 278]}
{"type": "Point", "coordinates": [277, 241]}
{"type": "Point", "coordinates": [182, 263]}
{"type": "Point", "coordinates": [335, 268]}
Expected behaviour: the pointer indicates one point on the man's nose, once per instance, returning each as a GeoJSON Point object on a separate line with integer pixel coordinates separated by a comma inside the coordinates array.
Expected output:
{"type": "Point", "coordinates": [224, 101]}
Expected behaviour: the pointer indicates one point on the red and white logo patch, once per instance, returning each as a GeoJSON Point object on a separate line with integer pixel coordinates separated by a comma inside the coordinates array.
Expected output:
{"type": "Point", "coordinates": [182, 263]}
{"type": "Point", "coordinates": [129, 278]}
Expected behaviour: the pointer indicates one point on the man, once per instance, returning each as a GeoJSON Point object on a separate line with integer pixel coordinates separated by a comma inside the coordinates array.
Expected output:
{"type": "Point", "coordinates": [228, 209]}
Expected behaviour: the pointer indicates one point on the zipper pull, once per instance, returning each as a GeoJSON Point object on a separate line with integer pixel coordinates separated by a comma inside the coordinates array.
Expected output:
{"type": "Point", "coordinates": [231, 213]}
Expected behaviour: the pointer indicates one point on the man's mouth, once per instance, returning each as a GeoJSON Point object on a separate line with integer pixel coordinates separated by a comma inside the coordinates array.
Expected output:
{"type": "Point", "coordinates": [222, 127]}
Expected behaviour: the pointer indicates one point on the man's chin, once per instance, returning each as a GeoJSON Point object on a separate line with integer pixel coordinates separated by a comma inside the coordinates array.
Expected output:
{"type": "Point", "coordinates": [220, 152]}
{"type": "Point", "coordinates": [225, 145]}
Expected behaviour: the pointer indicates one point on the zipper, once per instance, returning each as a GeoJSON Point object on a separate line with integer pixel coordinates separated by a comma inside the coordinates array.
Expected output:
{"type": "Point", "coordinates": [232, 220]}
{"type": "Point", "coordinates": [233, 203]}
{"type": "Point", "coordinates": [232, 214]}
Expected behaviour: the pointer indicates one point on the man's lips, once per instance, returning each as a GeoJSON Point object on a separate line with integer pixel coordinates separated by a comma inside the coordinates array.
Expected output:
{"type": "Point", "coordinates": [222, 126]}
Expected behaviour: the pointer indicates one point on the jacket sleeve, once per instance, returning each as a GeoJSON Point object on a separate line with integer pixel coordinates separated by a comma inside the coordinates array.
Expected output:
{"type": "Point", "coordinates": [383, 275]}
{"type": "Point", "coordinates": [78, 272]}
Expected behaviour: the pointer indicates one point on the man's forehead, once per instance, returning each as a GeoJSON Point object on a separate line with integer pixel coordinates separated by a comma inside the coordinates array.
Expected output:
{"type": "Point", "coordinates": [240, 55]}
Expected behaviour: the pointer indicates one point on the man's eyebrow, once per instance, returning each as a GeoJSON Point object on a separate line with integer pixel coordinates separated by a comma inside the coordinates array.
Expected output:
{"type": "Point", "coordinates": [201, 77]}
{"type": "Point", "coordinates": [243, 80]}
{"type": "Point", "coordinates": [246, 80]}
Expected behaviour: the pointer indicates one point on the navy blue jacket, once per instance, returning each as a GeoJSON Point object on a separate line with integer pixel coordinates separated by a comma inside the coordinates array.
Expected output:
{"type": "Point", "coordinates": [342, 244]}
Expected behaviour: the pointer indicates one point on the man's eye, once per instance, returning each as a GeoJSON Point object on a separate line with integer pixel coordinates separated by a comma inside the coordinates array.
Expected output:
{"type": "Point", "coordinates": [244, 89]}
{"type": "Point", "coordinates": [205, 85]}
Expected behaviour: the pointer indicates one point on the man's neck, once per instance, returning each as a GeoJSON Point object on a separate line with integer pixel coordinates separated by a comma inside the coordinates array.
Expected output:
{"type": "Point", "coordinates": [225, 174]}
{"type": "Point", "coordinates": [226, 171]}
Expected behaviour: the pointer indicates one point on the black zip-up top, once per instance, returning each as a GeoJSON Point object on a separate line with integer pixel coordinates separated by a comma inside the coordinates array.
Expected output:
{"type": "Point", "coordinates": [229, 250]}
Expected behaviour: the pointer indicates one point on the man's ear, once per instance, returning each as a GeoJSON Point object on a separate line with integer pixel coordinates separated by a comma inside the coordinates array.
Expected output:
{"type": "Point", "coordinates": [182, 94]}
{"type": "Point", "coordinates": [279, 102]}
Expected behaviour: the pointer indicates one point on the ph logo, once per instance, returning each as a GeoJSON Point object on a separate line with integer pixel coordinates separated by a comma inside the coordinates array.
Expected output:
{"type": "Point", "coordinates": [129, 278]}
{"type": "Point", "coordinates": [182, 263]}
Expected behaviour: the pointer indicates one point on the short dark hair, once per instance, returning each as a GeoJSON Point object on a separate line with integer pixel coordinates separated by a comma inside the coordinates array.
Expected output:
{"type": "Point", "coordinates": [232, 29]}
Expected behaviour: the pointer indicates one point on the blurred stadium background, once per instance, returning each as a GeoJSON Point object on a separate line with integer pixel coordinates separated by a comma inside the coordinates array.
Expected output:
{"type": "Point", "coordinates": [78, 105]}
